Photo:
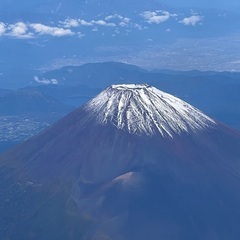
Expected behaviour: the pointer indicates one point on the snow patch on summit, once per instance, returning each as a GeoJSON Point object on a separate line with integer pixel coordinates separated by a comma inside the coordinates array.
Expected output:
{"type": "Point", "coordinates": [142, 109]}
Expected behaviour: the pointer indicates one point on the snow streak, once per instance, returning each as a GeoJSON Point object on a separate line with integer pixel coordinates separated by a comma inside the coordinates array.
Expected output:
{"type": "Point", "coordinates": [142, 109]}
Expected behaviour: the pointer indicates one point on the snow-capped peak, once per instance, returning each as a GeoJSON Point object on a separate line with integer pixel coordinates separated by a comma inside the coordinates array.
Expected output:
{"type": "Point", "coordinates": [142, 109]}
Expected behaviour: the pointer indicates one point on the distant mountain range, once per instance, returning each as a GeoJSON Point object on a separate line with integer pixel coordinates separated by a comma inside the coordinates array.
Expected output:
{"type": "Point", "coordinates": [217, 93]}
{"type": "Point", "coordinates": [181, 35]}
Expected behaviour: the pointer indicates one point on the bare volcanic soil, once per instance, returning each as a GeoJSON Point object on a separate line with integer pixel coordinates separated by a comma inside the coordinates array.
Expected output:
{"type": "Point", "coordinates": [132, 163]}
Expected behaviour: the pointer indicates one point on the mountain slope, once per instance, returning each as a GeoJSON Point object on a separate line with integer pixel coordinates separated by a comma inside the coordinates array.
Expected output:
{"type": "Point", "coordinates": [30, 101]}
{"type": "Point", "coordinates": [174, 176]}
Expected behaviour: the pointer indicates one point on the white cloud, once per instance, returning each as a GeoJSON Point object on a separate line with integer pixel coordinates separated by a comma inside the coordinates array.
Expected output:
{"type": "Point", "coordinates": [156, 17]}
{"type": "Point", "coordinates": [193, 20]}
{"type": "Point", "coordinates": [123, 20]}
{"type": "Point", "coordinates": [126, 20]}
{"type": "Point", "coordinates": [45, 81]}
{"type": "Point", "coordinates": [122, 24]}
{"type": "Point", "coordinates": [138, 26]}
{"type": "Point", "coordinates": [103, 23]}
{"type": "Point", "coordinates": [2, 28]}
{"type": "Point", "coordinates": [100, 22]}
{"type": "Point", "coordinates": [115, 16]}
{"type": "Point", "coordinates": [19, 30]}
{"type": "Point", "coordinates": [117, 31]}
{"type": "Point", "coordinates": [81, 35]}
{"type": "Point", "coordinates": [53, 31]}
{"type": "Point", "coordinates": [69, 22]}
{"type": "Point", "coordinates": [84, 23]}
{"type": "Point", "coordinates": [23, 30]}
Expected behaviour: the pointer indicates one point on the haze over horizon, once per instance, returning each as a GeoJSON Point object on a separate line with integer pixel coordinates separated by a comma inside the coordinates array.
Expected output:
{"type": "Point", "coordinates": [187, 35]}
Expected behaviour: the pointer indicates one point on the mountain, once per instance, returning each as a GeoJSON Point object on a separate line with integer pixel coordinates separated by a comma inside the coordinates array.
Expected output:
{"type": "Point", "coordinates": [95, 74]}
{"type": "Point", "coordinates": [220, 89]}
{"type": "Point", "coordinates": [75, 95]}
{"type": "Point", "coordinates": [25, 101]}
{"type": "Point", "coordinates": [132, 163]}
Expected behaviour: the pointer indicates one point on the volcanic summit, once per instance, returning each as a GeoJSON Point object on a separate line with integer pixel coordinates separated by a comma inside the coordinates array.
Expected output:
{"type": "Point", "coordinates": [142, 109]}
{"type": "Point", "coordinates": [132, 163]}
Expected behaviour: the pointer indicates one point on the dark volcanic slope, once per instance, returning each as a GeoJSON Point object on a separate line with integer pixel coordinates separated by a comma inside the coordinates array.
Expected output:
{"type": "Point", "coordinates": [27, 101]}
{"type": "Point", "coordinates": [133, 163]}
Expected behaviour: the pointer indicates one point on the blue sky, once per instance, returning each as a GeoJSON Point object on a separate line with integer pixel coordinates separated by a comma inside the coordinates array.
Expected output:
{"type": "Point", "coordinates": [182, 35]}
